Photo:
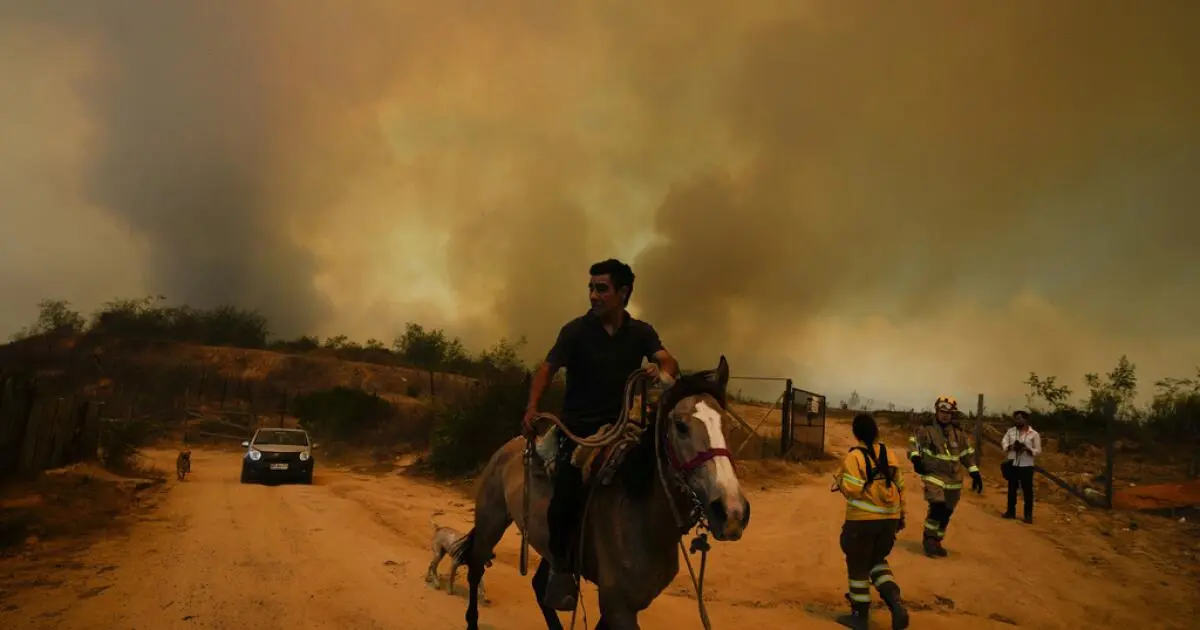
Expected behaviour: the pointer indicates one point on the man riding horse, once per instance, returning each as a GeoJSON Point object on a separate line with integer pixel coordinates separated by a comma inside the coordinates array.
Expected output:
{"type": "Point", "coordinates": [599, 350]}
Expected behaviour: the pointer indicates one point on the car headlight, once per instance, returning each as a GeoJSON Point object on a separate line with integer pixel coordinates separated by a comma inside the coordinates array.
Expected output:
{"type": "Point", "coordinates": [303, 456]}
{"type": "Point", "coordinates": [255, 455]}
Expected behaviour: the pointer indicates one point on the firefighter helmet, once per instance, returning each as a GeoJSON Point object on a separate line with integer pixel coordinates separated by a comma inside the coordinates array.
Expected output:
{"type": "Point", "coordinates": [946, 403]}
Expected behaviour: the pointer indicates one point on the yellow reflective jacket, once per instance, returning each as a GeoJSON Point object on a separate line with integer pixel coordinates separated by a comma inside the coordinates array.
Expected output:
{"type": "Point", "coordinates": [945, 452]}
{"type": "Point", "coordinates": [869, 497]}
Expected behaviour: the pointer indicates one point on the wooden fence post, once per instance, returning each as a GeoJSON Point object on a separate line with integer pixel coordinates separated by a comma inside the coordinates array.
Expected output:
{"type": "Point", "coordinates": [785, 415]}
{"type": "Point", "coordinates": [979, 431]}
{"type": "Point", "coordinates": [1110, 455]}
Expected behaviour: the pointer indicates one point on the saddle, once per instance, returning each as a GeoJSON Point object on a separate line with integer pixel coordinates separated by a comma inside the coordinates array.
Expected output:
{"type": "Point", "coordinates": [595, 463]}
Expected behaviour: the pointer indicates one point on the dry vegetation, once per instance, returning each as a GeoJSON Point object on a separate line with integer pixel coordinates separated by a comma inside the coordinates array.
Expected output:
{"type": "Point", "coordinates": [425, 394]}
{"type": "Point", "coordinates": [374, 409]}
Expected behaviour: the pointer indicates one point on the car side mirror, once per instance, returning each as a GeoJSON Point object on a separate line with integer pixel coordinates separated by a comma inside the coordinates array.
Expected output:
{"type": "Point", "coordinates": [246, 444]}
{"type": "Point", "coordinates": [316, 445]}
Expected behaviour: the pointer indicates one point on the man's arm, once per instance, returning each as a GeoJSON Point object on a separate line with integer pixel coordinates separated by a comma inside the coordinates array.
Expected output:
{"type": "Point", "coordinates": [1035, 445]}
{"type": "Point", "coordinates": [667, 362]}
{"type": "Point", "coordinates": [657, 353]}
{"type": "Point", "coordinates": [967, 457]}
{"type": "Point", "coordinates": [541, 380]}
{"type": "Point", "coordinates": [555, 360]}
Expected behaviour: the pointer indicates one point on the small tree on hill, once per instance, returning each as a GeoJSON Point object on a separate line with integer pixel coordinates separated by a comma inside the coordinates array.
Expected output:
{"type": "Point", "coordinates": [1048, 390]}
{"type": "Point", "coordinates": [336, 342]}
{"type": "Point", "coordinates": [53, 316]}
{"type": "Point", "coordinates": [1175, 411]}
{"type": "Point", "coordinates": [503, 358]}
{"type": "Point", "coordinates": [429, 349]}
{"type": "Point", "coordinates": [1117, 389]}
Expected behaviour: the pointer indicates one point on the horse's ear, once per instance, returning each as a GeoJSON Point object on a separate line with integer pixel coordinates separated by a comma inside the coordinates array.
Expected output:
{"type": "Point", "coordinates": [721, 376]}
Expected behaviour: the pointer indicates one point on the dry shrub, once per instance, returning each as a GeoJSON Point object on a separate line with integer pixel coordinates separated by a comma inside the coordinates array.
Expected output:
{"type": "Point", "coordinates": [120, 440]}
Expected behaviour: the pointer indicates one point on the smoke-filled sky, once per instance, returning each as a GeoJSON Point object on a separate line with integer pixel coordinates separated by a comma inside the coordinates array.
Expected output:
{"type": "Point", "coordinates": [900, 198]}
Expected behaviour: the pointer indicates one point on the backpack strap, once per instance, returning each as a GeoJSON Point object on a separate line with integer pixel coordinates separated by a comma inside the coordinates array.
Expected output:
{"type": "Point", "coordinates": [872, 465]}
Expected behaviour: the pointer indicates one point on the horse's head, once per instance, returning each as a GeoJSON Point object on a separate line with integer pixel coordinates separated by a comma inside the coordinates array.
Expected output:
{"type": "Point", "coordinates": [692, 432]}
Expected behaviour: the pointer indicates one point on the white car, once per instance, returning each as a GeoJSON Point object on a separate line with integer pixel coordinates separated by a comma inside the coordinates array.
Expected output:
{"type": "Point", "coordinates": [278, 455]}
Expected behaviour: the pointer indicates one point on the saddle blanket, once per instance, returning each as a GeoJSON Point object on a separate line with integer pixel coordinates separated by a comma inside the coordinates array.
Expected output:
{"type": "Point", "coordinates": [588, 459]}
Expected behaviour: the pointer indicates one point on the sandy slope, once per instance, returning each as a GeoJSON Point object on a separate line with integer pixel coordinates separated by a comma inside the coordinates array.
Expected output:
{"type": "Point", "coordinates": [351, 552]}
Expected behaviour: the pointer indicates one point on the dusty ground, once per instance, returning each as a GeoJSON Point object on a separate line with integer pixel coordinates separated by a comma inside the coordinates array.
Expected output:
{"type": "Point", "coordinates": [351, 552]}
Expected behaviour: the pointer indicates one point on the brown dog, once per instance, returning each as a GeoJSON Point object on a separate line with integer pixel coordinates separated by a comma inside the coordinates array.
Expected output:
{"type": "Point", "coordinates": [183, 464]}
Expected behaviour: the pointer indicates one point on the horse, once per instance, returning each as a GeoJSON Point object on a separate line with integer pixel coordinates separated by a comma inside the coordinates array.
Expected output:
{"type": "Point", "coordinates": [680, 473]}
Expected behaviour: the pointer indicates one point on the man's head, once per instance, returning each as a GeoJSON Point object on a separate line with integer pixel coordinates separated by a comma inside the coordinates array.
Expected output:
{"type": "Point", "coordinates": [610, 286]}
{"type": "Point", "coordinates": [944, 409]}
{"type": "Point", "coordinates": [1021, 418]}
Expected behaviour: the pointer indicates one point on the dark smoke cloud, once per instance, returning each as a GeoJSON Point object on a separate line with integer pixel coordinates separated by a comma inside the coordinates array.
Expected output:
{"type": "Point", "coordinates": [864, 196]}
{"type": "Point", "coordinates": [217, 124]}
{"type": "Point", "coordinates": [907, 163]}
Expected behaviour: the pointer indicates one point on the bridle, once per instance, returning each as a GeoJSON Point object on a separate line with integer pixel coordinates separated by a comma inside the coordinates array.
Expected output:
{"type": "Point", "coordinates": [681, 472]}
{"type": "Point", "coordinates": [685, 468]}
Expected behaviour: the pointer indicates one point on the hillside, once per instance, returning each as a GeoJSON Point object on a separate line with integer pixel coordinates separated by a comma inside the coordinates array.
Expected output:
{"type": "Point", "coordinates": [208, 392]}
{"type": "Point", "coordinates": [97, 365]}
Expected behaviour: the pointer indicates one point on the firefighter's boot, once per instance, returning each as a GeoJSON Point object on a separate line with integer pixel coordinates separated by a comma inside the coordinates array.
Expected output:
{"type": "Point", "coordinates": [890, 594]}
{"type": "Point", "coordinates": [930, 545]}
{"type": "Point", "coordinates": [857, 619]}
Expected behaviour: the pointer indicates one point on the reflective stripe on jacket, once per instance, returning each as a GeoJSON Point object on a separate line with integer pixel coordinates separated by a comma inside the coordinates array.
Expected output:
{"type": "Point", "coordinates": [945, 452]}
{"type": "Point", "coordinates": [872, 501]}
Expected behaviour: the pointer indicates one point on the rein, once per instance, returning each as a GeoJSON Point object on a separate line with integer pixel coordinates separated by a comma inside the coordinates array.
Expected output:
{"type": "Point", "coordinates": [696, 516]}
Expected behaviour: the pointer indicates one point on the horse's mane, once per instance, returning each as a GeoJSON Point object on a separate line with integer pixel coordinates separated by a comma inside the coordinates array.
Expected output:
{"type": "Point", "coordinates": [639, 472]}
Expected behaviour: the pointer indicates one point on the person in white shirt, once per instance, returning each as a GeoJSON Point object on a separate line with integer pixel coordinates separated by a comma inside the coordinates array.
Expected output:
{"type": "Point", "coordinates": [1021, 445]}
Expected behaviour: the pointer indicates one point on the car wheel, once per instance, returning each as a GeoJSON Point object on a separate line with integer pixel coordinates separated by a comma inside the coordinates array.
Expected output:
{"type": "Point", "coordinates": [245, 475]}
{"type": "Point", "coordinates": [307, 478]}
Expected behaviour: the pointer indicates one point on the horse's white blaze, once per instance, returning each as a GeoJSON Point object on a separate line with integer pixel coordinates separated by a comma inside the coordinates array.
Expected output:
{"type": "Point", "coordinates": [726, 478]}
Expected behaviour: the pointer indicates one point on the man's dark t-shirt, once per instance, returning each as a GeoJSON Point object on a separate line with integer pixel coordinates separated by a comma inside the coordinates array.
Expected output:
{"type": "Point", "coordinates": [598, 364]}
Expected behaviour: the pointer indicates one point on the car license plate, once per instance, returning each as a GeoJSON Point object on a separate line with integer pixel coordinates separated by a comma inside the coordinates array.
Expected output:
{"type": "Point", "coordinates": [279, 466]}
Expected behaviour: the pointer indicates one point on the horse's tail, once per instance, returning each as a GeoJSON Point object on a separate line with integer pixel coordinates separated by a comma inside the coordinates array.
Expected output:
{"type": "Point", "coordinates": [461, 552]}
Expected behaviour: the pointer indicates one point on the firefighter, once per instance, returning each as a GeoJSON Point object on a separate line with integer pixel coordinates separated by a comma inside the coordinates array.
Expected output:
{"type": "Point", "coordinates": [874, 491]}
{"type": "Point", "coordinates": [939, 451]}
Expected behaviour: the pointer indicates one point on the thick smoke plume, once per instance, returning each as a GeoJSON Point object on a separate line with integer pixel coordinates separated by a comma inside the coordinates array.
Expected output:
{"type": "Point", "coordinates": [864, 196]}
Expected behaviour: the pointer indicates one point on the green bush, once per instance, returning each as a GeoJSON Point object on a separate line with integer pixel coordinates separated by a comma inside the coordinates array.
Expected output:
{"type": "Point", "coordinates": [467, 432]}
{"type": "Point", "coordinates": [147, 318]}
{"type": "Point", "coordinates": [53, 316]}
{"type": "Point", "coordinates": [120, 441]}
{"type": "Point", "coordinates": [342, 413]}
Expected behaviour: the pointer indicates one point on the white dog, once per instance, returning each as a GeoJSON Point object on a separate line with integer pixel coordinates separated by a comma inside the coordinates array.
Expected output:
{"type": "Point", "coordinates": [445, 542]}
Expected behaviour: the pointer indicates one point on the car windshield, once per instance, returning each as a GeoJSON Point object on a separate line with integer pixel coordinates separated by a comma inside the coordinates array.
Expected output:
{"type": "Point", "coordinates": [286, 438]}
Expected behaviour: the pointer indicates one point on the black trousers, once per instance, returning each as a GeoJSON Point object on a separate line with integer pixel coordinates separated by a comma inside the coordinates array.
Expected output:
{"type": "Point", "coordinates": [1022, 478]}
{"type": "Point", "coordinates": [937, 519]}
{"type": "Point", "coordinates": [867, 545]}
{"type": "Point", "coordinates": [567, 501]}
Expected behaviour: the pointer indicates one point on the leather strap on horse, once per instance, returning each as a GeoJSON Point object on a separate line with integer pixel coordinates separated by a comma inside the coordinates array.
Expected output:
{"type": "Point", "coordinates": [700, 542]}
{"type": "Point", "coordinates": [615, 431]}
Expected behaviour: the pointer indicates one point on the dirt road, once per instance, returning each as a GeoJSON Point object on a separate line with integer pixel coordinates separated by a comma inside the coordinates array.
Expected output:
{"type": "Point", "coordinates": [350, 552]}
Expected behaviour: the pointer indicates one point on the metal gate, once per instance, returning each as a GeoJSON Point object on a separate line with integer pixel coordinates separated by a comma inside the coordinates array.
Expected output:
{"type": "Point", "coordinates": [804, 421]}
